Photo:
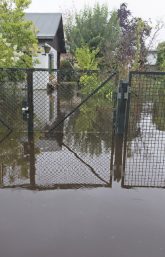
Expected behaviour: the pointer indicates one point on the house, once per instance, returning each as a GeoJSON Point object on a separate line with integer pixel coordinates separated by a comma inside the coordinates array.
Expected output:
{"type": "Point", "coordinates": [151, 60]}
{"type": "Point", "coordinates": [50, 34]}
{"type": "Point", "coordinates": [51, 41]}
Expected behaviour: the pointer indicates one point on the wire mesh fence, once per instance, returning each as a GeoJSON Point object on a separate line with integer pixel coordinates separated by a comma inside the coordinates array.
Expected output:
{"type": "Point", "coordinates": [12, 93]}
{"type": "Point", "coordinates": [58, 128]}
{"type": "Point", "coordinates": [145, 160]}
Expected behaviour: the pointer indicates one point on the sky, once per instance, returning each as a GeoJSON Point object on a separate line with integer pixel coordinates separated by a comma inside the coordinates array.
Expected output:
{"type": "Point", "coordinates": [146, 9]}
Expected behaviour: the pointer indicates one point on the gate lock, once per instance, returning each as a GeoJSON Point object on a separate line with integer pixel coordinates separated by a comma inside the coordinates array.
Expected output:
{"type": "Point", "coordinates": [25, 110]}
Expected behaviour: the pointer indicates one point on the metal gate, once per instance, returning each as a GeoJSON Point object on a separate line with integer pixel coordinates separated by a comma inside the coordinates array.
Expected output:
{"type": "Point", "coordinates": [51, 128]}
{"type": "Point", "coordinates": [144, 143]}
{"type": "Point", "coordinates": [75, 129]}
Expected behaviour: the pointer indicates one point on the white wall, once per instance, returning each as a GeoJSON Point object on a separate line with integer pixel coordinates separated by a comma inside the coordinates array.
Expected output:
{"type": "Point", "coordinates": [41, 78]}
{"type": "Point", "coordinates": [44, 59]}
{"type": "Point", "coordinates": [42, 108]}
{"type": "Point", "coordinates": [152, 58]}
{"type": "Point", "coordinates": [41, 99]}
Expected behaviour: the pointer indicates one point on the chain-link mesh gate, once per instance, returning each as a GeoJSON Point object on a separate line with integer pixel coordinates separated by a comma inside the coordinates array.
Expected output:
{"type": "Point", "coordinates": [145, 142]}
{"type": "Point", "coordinates": [13, 128]}
{"type": "Point", "coordinates": [58, 128]}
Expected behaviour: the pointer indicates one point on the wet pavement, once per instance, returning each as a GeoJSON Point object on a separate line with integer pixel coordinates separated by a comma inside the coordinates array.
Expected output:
{"type": "Point", "coordinates": [97, 222]}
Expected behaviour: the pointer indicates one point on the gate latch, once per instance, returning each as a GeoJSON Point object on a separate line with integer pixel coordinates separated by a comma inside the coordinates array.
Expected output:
{"type": "Point", "coordinates": [25, 110]}
{"type": "Point", "coordinates": [25, 113]}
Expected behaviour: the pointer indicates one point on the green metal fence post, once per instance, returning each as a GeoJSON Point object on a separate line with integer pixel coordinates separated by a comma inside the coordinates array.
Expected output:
{"type": "Point", "coordinates": [31, 126]}
{"type": "Point", "coordinates": [122, 97]}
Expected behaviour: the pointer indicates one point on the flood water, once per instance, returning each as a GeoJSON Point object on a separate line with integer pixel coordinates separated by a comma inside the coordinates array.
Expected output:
{"type": "Point", "coordinates": [97, 222]}
{"type": "Point", "coordinates": [64, 193]}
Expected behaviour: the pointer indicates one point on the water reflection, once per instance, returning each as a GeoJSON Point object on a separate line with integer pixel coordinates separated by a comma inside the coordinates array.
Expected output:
{"type": "Point", "coordinates": [145, 154]}
{"type": "Point", "coordinates": [145, 146]}
{"type": "Point", "coordinates": [81, 152]}
{"type": "Point", "coordinates": [158, 113]}
{"type": "Point", "coordinates": [45, 161]}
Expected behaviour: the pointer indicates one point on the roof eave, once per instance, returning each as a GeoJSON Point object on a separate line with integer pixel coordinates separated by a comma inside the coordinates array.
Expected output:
{"type": "Point", "coordinates": [45, 37]}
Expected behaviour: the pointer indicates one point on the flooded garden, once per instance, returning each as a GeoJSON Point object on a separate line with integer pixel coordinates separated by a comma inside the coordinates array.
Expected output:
{"type": "Point", "coordinates": [69, 184]}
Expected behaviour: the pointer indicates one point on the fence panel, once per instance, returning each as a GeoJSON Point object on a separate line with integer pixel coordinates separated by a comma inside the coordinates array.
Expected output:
{"type": "Point", "coordinates": [64, 135]}
{"type": "Point", "coordinates": [145, 146]}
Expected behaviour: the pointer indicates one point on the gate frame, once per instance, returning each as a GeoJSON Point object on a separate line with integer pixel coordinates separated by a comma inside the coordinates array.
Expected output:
{"type": "Point", "coordinates": [29, 111]}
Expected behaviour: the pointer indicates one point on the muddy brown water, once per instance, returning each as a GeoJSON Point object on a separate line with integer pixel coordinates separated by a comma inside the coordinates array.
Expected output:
{"type": "Point", "coordinates": [62, 199]}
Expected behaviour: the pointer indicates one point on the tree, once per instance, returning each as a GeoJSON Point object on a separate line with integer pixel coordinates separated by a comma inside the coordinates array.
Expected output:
{"type": "Point", "coordinates": [161, 56]}
{"type": "Point", "coordinates": [87, 27]}
{"type": "Point", "coordinates": [118, 35]}
{"type": "Point", "coordinates": [8, 56]}
{"type": "Point", "coordinates": [112, 42]}
{"type": "Point", "coordinates": [86, 60]}
{"type": "Point", "coordinates": [132, 48]}
{"type": "Point", "coordinates": [18, 42]}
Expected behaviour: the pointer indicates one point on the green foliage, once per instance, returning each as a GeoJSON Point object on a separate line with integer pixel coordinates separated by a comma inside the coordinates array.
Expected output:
{"type": "Point", "coordinates": [161, 56]}
{"type": "Point", "coordinates": [86, 58]}
{"type": "Point", "coordinates": [139, 55]}
{"type": "Point", "coordinates": [119, 36]}
{"type": "Point", "coordinates": [112, 42]}
{"type": "Point", "coordinates": [66, 71]}
{"type": "Point", "coordinates": [96, 29]}
{"type": "Point", "coordinates": [18, 42]}
{"type": "Point", "coordinates": [96, 111]}
{"type": "Point", "coordinates": [87, 27]}
{"type": "Point", "coordinates": [8, 56]}
{"type": "Point", "coordinates": [90, 136]}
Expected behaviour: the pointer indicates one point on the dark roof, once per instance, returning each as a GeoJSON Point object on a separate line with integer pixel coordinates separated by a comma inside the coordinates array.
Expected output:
{"type": "Point", "coordinates": [49, 26]}
{"type": "Point", "coordinates": [46, 23]}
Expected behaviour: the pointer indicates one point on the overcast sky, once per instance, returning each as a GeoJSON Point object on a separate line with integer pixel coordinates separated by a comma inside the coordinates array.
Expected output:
{"type": "Point", "coordinates": [147, 9]}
